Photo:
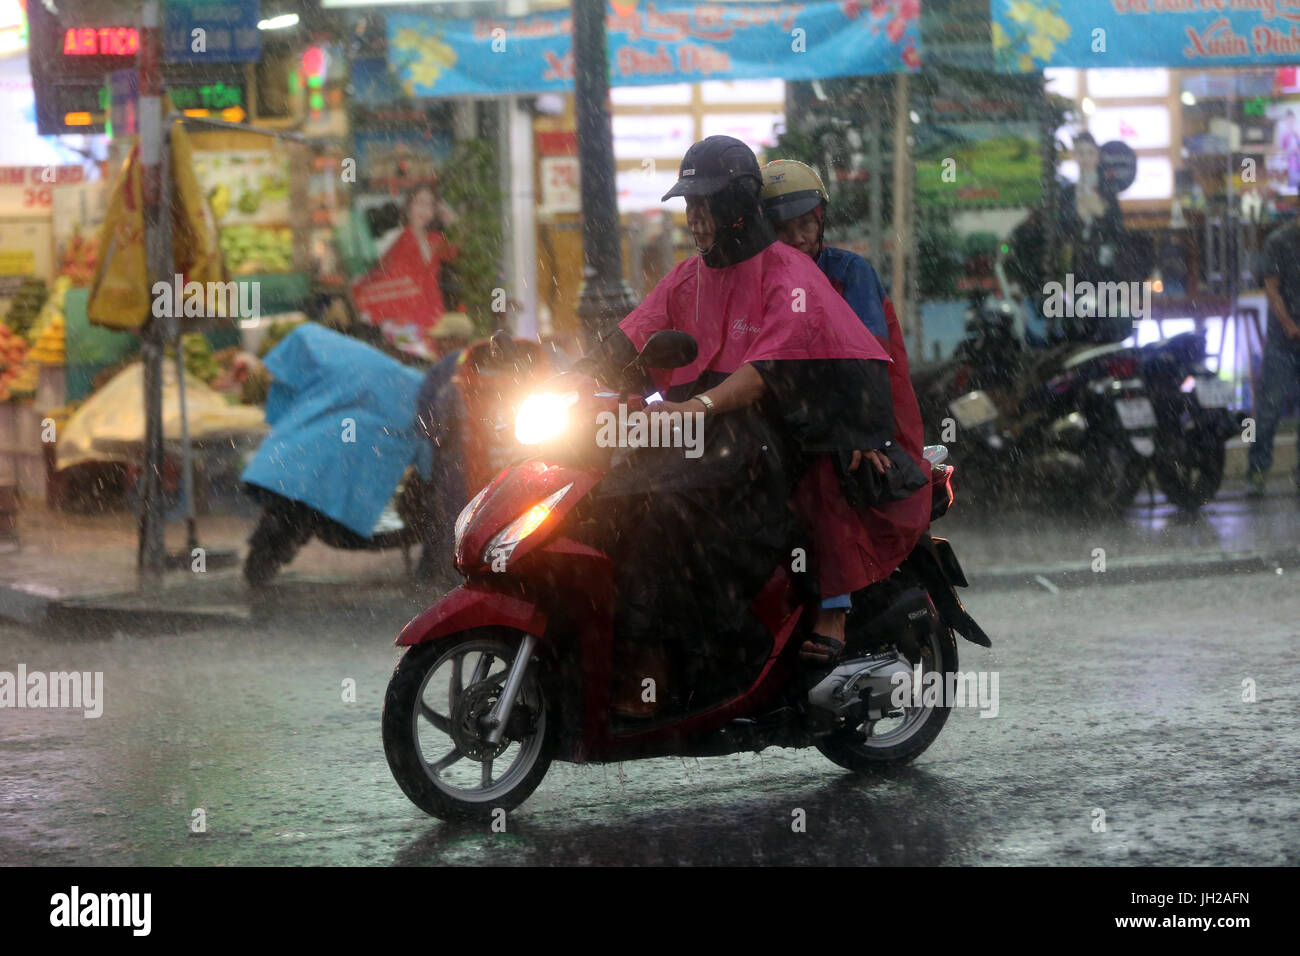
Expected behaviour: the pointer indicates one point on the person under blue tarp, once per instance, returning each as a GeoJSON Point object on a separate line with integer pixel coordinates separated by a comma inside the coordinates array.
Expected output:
{"type": "Point", "coordinates": [341, 435]}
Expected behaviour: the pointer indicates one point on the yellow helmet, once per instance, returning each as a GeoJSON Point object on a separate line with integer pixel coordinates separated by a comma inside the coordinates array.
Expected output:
{"type": "Point", "coordinates": [790, 189]}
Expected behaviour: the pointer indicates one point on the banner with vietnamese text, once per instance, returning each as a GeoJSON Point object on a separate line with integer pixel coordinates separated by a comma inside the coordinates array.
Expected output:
{"type": "Point", "coordinates": [666, 41]}
{"type": "Point", "coordinates": [1031, 34]}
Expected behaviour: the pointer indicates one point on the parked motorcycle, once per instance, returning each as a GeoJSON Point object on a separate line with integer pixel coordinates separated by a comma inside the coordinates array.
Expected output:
{"type": "Point", "coordinates": [1007, 412]}
{"type": "Point", "coordinates": [1192, 419]}
{"type": "Point", "coordinates": [514, 668]}
{"type": "Point", "coordinates": [1097, 419]}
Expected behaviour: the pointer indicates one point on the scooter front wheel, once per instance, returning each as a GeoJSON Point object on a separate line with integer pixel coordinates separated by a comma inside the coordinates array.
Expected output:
{"type": "Point", "coordinates": [435, 726]}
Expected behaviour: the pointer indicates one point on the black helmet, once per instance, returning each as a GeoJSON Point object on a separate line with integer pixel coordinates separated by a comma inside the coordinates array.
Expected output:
{"type": "Point", "coordinates": [725, 172]}
{"type": "Point", "coordinates": [712, 164]}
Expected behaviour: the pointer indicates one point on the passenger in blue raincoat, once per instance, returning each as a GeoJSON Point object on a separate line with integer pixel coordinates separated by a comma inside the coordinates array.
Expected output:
{"type": "Point", "coordinates": [341, 431]}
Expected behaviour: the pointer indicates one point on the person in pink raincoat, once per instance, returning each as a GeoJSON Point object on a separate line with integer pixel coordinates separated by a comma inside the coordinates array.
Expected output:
{"type": "Point", "coordinates": [854, 548]}
{"type": "Point", "coordinates": [785, 373]}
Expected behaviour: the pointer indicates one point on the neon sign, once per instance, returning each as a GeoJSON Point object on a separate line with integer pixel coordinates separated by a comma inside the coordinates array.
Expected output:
{"type": "Point", "coordinates": [104, 41]}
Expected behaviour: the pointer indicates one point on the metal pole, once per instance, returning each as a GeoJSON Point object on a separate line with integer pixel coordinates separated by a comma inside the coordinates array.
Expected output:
{"type": "Point", "coordinates": [187, 457]}
{"type": "Point", "coordinates": [875, 241]}
{"type": "Point", "coordinates": [902, 220]}
{"type": "Point", "coordinates": [504, 107]}
{"type": "Point", "coordinates": [173, 335]}
{"type": "Point", "coordinates": [152, 556]}
{"type": "Point", "coordinates": [1232, 252]}
{"type": "Point", "coordinates": [605, 297]}
{"type": "Point", "coordinates": [1051, 210]}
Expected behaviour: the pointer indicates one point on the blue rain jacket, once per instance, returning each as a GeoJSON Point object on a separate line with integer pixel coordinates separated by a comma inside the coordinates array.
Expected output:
{"type": "Point", "coordinates": [321, 380]}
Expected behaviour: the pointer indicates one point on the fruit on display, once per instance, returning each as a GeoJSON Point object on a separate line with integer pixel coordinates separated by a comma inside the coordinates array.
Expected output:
{"type": "Point", "coordinates": [26, 305]}
{"type": "Point", "coordinates": [48, 334]}
{"type": "Point", "coordinates": [219, 200]}
{"type": "Point", "coordinates": [243, 378]}
{"type": "Point", "coordinates": [249, 202]}
{"type": "Point", "coordinates": [274, 186]}
{"type": "Point", "coordinates": [274, 334]}
{"type": "Point", "coordinates": [51, 347]}
{"type": "Point", "coordinates": [17, 376]}
{"type": "Point", "coordinates": [198, 357]}
{"type": "Point", "coordinates": [13, 348]}
{"type": "Point", "coordinates": [80, 259]}
{"type": "Point", "coordinates": [20, 384]}
{"type": "Point", "coordinates": [251, 249]}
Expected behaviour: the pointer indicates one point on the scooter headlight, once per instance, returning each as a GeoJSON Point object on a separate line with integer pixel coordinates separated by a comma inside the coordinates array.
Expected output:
{"type": "Point", "coordinates": [505, 541]}
{"type": "Point", "coordinates": [543, 416]}
{"type": "Point", "coordinates": [467, 514]}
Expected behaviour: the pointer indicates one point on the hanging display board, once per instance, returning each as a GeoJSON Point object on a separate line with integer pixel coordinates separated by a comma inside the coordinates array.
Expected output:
{"type": "Point", "coordinates": [993, 162]}
{"type": "Point", "coordinates": [1196, 34]}
{"type": "Point", "coordinates": [669, 41]}
{"type": "Point", "coordinates": [75, 49]}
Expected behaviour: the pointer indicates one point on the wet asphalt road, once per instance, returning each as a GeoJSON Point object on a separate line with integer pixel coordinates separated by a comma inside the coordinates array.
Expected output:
{"type": "Point", "coordinates": [1124, 699]}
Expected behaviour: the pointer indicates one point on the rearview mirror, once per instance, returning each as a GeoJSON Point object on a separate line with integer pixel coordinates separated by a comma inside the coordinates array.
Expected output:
{"type": "Point", "coordinates": [503, 346]}
{"type": "Point", "coordinates": [669, 348]}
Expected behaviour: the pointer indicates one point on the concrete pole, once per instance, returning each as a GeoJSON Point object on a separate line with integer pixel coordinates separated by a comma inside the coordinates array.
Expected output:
{"type": "Point", "coordinates": [152, 555]}
{"type": "Point", "coordinates": [523, 216]}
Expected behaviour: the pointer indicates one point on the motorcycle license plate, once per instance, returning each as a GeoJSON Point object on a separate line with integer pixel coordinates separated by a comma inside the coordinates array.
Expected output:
{"type": "Point", "coordinates": [973, 410]}
{"type": "Point", "coordinates": [1213, 393]}
{"type": "Point", "coordinates": [1146, 447]}
{"type": "Point", "coordinates": [1135, 413]}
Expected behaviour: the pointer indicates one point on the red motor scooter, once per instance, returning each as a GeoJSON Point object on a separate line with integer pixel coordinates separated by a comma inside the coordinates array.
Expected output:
{"type": "Point", "coordinates": [514, 668]}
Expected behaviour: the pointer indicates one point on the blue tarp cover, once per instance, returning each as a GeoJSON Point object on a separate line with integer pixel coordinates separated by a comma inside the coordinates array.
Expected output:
{"type": "Point", "coordinates": [320, 380]}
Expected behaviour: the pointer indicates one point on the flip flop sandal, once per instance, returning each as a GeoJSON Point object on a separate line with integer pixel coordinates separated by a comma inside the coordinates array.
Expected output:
{"type": "Point", "coordinates": [833, 649]}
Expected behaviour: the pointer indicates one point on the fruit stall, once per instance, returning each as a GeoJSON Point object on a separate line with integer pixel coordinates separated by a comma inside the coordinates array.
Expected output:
{"type": "Point", "coordinates": [267, 210]}
{"type": "Point", "coordinates": [33, 348]}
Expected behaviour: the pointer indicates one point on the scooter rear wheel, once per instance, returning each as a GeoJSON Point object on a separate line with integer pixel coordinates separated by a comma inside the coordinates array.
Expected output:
{"type": "Point", "coordinates": [881, 746]}
{"type": "Point", "coordinates": [432, 726]}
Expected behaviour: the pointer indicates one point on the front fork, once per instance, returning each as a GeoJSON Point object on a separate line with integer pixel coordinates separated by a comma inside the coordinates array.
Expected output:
{"type": "Point", "coordinates": [499, 716]}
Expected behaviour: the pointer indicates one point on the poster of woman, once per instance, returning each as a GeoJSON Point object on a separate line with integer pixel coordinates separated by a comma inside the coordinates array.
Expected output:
{"type": "Point", "coordinates": [403, 294]}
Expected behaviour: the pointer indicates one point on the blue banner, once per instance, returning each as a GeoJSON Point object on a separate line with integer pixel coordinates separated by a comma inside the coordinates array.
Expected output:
{"type": "Point", "coordinates": [1196, 34]}
{"type": "Point", "coordinates": [668, 41]}
{"type": "Point", "coordinates": [230, 33]}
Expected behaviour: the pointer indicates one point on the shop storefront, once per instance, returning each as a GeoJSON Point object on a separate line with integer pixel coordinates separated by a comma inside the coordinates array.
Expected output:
{"type": "Point", "coordinates": [272, 202]}
{"type": "Point", "coordinates": [1206, 97]}
{"type": "Point", "coordinates": [677, 74]}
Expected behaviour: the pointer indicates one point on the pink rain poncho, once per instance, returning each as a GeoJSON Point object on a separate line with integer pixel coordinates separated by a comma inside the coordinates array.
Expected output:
{"type": "Point", "coordinates": [697, 537]}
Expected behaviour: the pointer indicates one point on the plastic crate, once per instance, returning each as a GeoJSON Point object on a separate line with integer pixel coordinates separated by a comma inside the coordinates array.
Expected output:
{"type": "Point", "coordinates": [28, 429]}
{"type": "Point", "coordinates": [52, 387]}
